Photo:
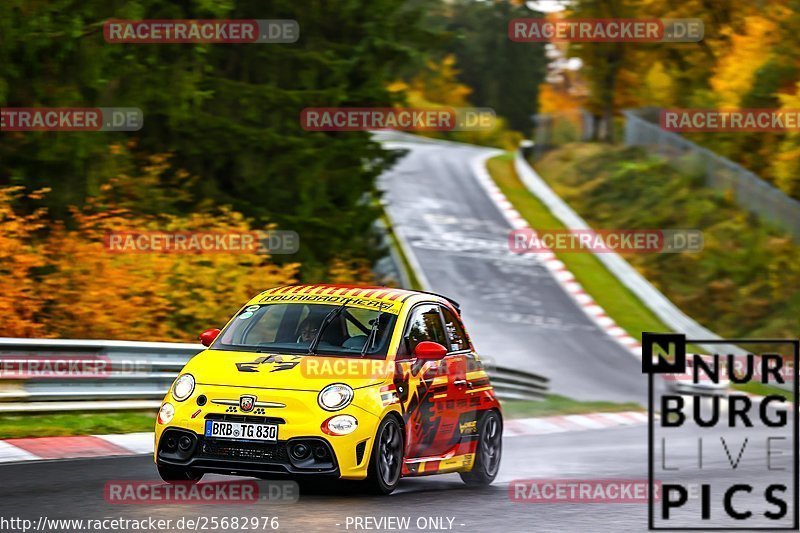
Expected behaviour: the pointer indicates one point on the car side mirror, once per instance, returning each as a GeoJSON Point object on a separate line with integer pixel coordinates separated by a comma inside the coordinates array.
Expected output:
{"type": "Point", "coordinates": [208, 336]}
{"type": "Point", "coordinates": [429, 350]}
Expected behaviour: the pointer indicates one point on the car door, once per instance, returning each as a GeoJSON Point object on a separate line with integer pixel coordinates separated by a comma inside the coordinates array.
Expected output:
{"type": "Point", "coordinates": [466, 377]}
{"type": "Point", "coordinates": [422, 385]}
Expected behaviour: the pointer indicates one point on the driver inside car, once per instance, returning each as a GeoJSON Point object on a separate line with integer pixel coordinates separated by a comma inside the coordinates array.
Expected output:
{"type": "Point", "coordinates": [308, 329]}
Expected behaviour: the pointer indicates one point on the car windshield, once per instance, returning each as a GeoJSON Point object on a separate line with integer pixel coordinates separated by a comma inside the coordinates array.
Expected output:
{"type": "Point", "coordinates": [292, 328]}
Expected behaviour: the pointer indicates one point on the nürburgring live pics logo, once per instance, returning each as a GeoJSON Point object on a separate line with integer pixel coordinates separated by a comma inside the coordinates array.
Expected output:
{"type": "Point", "coordinates": [741, 449]}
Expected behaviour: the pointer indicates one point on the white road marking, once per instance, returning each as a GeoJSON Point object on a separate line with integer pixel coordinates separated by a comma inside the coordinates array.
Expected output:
{"type": "Point", "coordinates": [10, 453]}
{"type": "Point", "coordinates": [138, 443]}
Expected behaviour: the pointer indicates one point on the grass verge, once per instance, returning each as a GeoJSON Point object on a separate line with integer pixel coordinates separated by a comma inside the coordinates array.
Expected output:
{"type": "Point", "coordinates": [74, 423]}
{"type": "Point", "coordinates": [406, 265]}
{"type": "Point", "coordinates": [760, 389]}
{"type": "Point", "coordinates": [745, 280]}
{"type": "Point", "coordinates": [560, 405]}
{"type": "Point", "coordinates": [609, 293]}
{"type": "Point", "coordinates": [597, 182]}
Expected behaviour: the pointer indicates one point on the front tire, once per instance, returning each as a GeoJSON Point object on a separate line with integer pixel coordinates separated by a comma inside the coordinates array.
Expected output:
{"type": "Point", "coordinates": [488, 452]}
{"type": "Point", "coordinates": [386, 463]}
{"type": "Point", "coordinates": [174, 475]}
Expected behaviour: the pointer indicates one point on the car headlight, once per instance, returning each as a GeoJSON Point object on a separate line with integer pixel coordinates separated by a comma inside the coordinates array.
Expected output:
{"type": "Point", "coordinates": [183, 387]}
{"type": "Point", "coordinates": [166, 413]}
{"type": "Point", "coordinates": [340, 425]}
{"type": "Point", "coordinates": [335, 397]}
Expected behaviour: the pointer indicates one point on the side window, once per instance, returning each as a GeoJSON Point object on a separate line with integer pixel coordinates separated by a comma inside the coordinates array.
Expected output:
{"type": "Point", "coordinates": [425, 324]}
{"type": "Point", "coordinates": [455, 332]}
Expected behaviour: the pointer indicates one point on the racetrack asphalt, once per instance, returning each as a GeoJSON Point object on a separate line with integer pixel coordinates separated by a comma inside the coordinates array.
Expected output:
{"type": "Point", "coordinates": [75, 489]}
{"type": "Point", "coordinates": [514, 309]}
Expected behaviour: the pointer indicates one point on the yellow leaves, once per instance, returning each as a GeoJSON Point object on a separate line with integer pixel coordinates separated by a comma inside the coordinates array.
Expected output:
{"type": "Point", "coordinates": [436, 83]}
{"type": "Point", "coordinates": [786, 166]}
{"type": "Point", "coordinates": [39, 193]}
{"type": "Point", "coordinates": [19, 258]}
{"type": "Point", "coordinates": [735, 71]}
{"type": "Point", "coordinates": [658, 85]}
{"type": "Point", "coordinates": [397, 87]}
{"type": "Point", "coordinates": [67, 284]}
{"type": "Point", "coordinates": [556, 100]}
{"type": "Point", "coordinates": [353, 271]}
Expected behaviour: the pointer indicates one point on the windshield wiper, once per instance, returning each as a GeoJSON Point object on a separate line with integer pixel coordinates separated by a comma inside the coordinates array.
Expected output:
{"type": "Point", "coordinates": [373, 333]}
{"type": "Point", "coordinates": [312, 348]}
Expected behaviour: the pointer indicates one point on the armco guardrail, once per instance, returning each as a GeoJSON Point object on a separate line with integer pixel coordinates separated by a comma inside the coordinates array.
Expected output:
{"type": "Point", "coordinates": [138, 374]}
{"type": "Point", "coordinates": [749, 189]}
{"type": "Point", "coordinates": [513, 384]}
{"type": "Point", "coordinates": [648, 294]}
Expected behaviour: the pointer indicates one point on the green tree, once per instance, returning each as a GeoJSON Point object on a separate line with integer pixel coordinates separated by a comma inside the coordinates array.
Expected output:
{"type": "Point", "coordinates": [503, 75]}
{"type": "Point", "coordinates": [228, 114]}
{"type": "Point", "coordinates": [602, 62]}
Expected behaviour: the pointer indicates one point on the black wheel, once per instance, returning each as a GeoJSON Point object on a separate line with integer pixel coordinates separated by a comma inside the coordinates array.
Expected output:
{"type": "Point", "coordinates": [488, 452]}
{"type": "Point", "coordinates": [386, 463]}
{"type": "Point", "coordinates": [174, 475]}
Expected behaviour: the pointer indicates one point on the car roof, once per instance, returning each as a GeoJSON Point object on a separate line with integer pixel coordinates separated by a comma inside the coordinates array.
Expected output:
{"type": "Point", "coordinates": [397, 297]}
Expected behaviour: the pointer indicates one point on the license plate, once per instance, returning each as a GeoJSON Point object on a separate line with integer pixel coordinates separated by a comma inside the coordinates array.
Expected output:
{"type": "Point", "coordinates": [241, 431]}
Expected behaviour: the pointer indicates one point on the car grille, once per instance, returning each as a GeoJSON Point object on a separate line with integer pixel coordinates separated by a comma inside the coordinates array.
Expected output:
{"type": "Point", "coordinates": [360, 447]}
{"type": "Point", "coordinates": [248, 451]}
{"type": "Point", "coordinates": [224, 417]}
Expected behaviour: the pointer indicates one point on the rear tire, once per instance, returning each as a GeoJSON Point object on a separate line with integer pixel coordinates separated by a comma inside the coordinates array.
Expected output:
{"type": "Point", "coordinates": [386, 463]}
{"type": "Point", "coordinates": [488, 452]}
{"type": "Point", "coordinates": [173, 475]}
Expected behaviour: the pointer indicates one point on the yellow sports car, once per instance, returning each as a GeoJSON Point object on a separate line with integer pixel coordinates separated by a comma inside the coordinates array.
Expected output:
{"type": "Point", "coordinates": [350, 382]}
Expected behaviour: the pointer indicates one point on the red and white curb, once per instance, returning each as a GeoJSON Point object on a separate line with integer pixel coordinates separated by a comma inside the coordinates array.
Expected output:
{"type": "Point", "coordinates": [49, 448]}
{"type": "Point", "coordinates": [44, 448]}
{"type": "Point", "coordinates": [562, 275]}
{"type": "Point", "coordinates": [568, 423]}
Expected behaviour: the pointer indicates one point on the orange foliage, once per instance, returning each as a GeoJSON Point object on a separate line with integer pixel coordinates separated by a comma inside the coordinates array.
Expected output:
{"type": "Point", "coordinates": [556, 100]}
{"type": "Point", "coordinates": [354, 271]}
{"type": "Point", "coordinates": [736, 70]}
{"type": "Point", "coordinates": [66, 284]}
{"type": "Point", "coordinates": [20, 256]}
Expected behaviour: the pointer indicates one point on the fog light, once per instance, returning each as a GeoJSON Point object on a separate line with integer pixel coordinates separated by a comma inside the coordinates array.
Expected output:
{"type": "Point", "coordinates": [320, 452]}
{"type": "Point", "coordinates": [166, 413]}
{"type": "Point", "coordinates": [300, 450]}
{"type": "Point", "coordinates": [340, 425]}
{"type": "Point", "coordinates": [184, 443]}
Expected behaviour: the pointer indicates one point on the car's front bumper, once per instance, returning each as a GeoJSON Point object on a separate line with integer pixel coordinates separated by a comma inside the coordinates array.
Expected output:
{"type": "Point", "coordinates": [300, 420]}
{"type": "Point", "coordinates": [225, 456]}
